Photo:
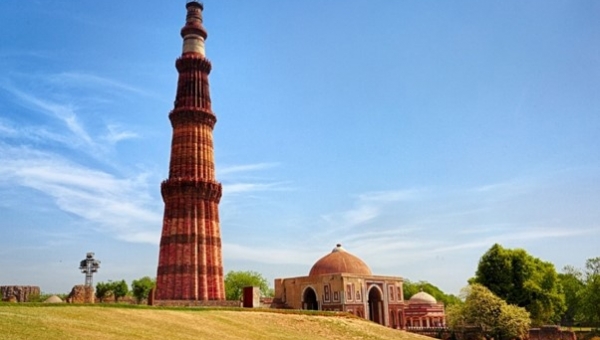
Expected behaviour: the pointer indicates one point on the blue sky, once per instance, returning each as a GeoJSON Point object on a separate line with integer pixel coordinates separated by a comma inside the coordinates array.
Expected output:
{"type": "Point", "coordinates": [415, 133]}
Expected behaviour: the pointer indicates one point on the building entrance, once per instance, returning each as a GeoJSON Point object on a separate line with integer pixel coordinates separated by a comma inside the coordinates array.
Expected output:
{"type": "Point", "coordinates": [309, 299]}
{"type": "Point", "coordinates": [375, 305]}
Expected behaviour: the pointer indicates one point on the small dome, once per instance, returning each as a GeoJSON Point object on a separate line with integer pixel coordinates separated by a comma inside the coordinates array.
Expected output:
{"type": "Point", "coordinates": [53, 299]}
{"type": "Point", "coordinates": [339, 261]}
{"type": "Point", "coordinates": [422, 297]}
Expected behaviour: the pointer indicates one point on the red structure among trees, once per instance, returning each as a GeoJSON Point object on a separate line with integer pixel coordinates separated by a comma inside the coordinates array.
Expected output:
{"type": "Point", "coordinates": [190, 265]}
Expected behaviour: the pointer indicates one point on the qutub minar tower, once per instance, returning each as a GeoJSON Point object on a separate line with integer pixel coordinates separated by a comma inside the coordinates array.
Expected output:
{"type": "Point", "coordinates": [190, 264]}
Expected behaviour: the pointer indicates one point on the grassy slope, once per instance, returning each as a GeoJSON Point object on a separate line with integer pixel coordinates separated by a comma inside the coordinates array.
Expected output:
{"type": "Point", "coordinates": [94, 322]}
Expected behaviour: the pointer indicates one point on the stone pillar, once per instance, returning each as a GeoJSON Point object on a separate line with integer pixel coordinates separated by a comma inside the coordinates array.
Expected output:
{"type": "Point", "coordinates": [81, 294]}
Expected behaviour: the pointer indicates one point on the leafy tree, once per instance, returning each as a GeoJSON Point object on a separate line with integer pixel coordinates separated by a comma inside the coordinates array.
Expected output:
{"type": "Point", "coordinates": [590, 294]}
{"type": "Point", "coordinates": [522, 280]}
{"type": "Point", "coordinates": [593, 266]}
{"type": "Point", "coordinates": [572, 282]}
{"type": "Point", "coordinates": [103, 290]}
{"type": "Point", "coordinates": [119, 289]}
{"type": "Point", "coordinates": [235, 281]}
{"type": "Point", "coordinates": [141, 288]}
{"type": "Point", "coordinates": [411, 288]}
{"type": "Point", "coordinates": [513, 322]}
{"type": "Point", "coordinates": [488, 314]}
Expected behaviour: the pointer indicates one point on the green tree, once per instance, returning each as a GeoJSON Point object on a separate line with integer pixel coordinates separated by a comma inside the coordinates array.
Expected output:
{"type": "Point", "coordinates": [411, 288]}
{"type": "Point", "coordinates": [103, 290]}
{"type": "Point", "coordinates": [488, 314]}
{"type": "Point", "coordinates": [235, 281]}
{"type": "Point", "coordinates": [514, 322]}
{"type": "Point", "coordinates": [141, 288]}
{"type": "Point", "coordinates": [571, 279]}
{"type": "Point", "coordinates": [590, 294]}
{"type": "Point", "coordinates": [523, 280]}
{"type": "Point", "coordinates": [119, 289]}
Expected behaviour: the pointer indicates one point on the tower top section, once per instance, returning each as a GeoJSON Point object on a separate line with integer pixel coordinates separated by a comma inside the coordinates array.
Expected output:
{"type": "Point", "coordinates": [193, 33]}
{"type": "Point", "coordinates": [195, 3]}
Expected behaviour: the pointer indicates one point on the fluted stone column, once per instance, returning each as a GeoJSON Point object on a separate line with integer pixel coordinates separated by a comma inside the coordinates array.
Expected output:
{"type": "Point", "coordinates": [190, 265]}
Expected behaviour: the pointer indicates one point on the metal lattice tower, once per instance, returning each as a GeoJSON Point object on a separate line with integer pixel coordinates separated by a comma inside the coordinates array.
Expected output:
{"type": "Point", "coordinates": [89, 266]}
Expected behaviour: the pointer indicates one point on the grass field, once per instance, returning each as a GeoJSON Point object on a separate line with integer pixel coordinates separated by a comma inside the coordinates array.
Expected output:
{"type": "Point", "coordinates": [73, 322]}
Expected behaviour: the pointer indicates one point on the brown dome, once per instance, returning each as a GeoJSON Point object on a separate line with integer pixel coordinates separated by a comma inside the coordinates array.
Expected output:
{"type": "Point", "coordinates": [339, 261]}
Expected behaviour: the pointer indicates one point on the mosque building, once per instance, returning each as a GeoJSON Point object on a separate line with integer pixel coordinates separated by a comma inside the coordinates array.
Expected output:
{"type": "Point", "coordinates": [340, 281]}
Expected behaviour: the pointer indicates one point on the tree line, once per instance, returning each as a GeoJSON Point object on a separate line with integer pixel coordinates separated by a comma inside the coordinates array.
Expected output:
{"type": "Point", "coordinates": [512, 291]}
{"type": "Point", "coordinates": [140, 289]}
{"type": "Point", "coordinates": [568, 298]}
{"type": "Point", "coordinates": [235, 281]}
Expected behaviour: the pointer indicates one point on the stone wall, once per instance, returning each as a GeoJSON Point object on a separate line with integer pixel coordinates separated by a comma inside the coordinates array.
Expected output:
{"type": "Point", "coordinates": [18, 293]}
{"type": "Point", "coordinates": [434, 332]}
{"type": "Point", "coordinates": [193, 303]}
{"type": "Point", "coordinates": [551, 333]}
{"type": "Point", "coordinates": [543, 333]}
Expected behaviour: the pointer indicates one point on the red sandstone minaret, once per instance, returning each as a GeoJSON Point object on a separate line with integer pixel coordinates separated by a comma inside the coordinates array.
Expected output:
{"type": "Point", "coordinates": [190, 265]}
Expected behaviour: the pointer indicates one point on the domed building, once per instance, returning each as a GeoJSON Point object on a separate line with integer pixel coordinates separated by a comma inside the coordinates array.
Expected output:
{"type": "Point", "coordinates": [424, 311]}
{"type": "Point", "coordinates": [340, 281]}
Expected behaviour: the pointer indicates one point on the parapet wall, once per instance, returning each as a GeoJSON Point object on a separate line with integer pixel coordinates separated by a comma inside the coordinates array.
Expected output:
{"type": "Point", "coordinates": [551, 333]}
{"type": "Point", "coordinates": [18, 293]}
{"type": "Point", "coordinates": [183, 303]}
{"type": "Point", "coordinates": [542, 333]}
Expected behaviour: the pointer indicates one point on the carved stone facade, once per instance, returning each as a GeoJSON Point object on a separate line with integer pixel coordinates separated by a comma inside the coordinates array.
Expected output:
{"type": "Point", "coordinates": [190, 266]}
{"type": "Point", "coordinates": [18, 293]}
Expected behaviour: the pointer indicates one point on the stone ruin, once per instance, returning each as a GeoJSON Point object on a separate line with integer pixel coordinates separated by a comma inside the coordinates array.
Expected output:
{"type": "Point", "coordinates": [18, 293]}
{"type": "Point", "coordinates": [81, 294]}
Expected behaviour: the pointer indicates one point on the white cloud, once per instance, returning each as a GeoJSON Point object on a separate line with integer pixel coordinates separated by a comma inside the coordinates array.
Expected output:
{"type": "Point", "coordinates": [242, 188]}
{"type": "Point", "coordinates": [237, 184]}
{"type": "Point", "coordinates": [369, 208]}
{"type": "Point", "coordinates": [271, 255]}
{"type": "Point", "coordinates": [508, 235]}
{"type": "Point", "coordinates": [76, 79]}
{"type": "Point", "coordinates": [391, 196]}
{"type": "Point", "coordinates": [63, 112]}
{"type": "Point", "coordinates": [116, 134]}
{"type": "Point", "coordinates": [6, 130]}
{"type": "Point", "coordinates": [246, 168]}
{"type": "Point", "coordinates": [112, 205]}
{"type": "Point", "coordinates": [360, 215]}
{"type": "Point", "coordinates": [60, 105]}
{"type": "Point", "coordinates": [506, 189]}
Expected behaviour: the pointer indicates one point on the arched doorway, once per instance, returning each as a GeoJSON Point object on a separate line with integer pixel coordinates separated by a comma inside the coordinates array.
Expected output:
{"type": "Point", "coordinates": [309, 299]}
{"type": "Point", "coordinates": [375, 305]}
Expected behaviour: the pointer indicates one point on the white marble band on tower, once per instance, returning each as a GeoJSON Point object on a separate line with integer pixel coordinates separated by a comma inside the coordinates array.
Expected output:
{"type": "Point", "coordinates": [193, 43]}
